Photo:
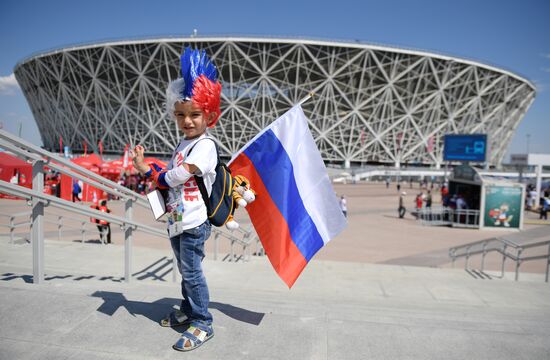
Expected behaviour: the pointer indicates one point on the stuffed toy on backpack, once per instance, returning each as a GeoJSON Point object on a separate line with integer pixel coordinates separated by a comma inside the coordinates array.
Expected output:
{"type": "Point", "coordinates": [242, 196]}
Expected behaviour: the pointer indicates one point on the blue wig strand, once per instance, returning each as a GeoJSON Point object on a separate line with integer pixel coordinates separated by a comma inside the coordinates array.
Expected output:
{"type": "Point", "coordinates": [195, 63]}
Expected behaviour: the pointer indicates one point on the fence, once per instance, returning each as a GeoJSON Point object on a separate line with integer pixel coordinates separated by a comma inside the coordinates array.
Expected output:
{"type": "Point", "coordinates": [440, 216]}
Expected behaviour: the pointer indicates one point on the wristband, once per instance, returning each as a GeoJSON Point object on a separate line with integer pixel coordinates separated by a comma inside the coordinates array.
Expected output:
{"type": "Point", "coordinates": [157, 174]}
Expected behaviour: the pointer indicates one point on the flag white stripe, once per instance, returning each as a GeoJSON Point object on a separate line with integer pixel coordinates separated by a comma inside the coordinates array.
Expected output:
{"type": "Point", "coordinates": [310, 173]}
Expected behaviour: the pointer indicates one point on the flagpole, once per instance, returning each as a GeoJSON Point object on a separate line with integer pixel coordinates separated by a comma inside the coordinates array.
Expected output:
{"type": "Point", "coordinates": [309, 96]}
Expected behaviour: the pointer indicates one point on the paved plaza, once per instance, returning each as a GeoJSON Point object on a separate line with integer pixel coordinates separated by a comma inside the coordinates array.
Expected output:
{"type": "Point", "coordinates": [383, 289]}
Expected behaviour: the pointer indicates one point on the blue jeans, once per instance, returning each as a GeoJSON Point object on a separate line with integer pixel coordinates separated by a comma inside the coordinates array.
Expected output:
{"type": "Point", "coordinates": [189, 251]}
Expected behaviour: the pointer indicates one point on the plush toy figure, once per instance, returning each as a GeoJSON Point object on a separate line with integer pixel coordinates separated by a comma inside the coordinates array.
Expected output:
{"type": "Point", "coordinates": [242, 196]}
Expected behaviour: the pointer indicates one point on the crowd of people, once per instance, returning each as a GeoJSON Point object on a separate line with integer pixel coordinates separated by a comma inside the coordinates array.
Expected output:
{"type": "Point", "coordinates": [424, 199]}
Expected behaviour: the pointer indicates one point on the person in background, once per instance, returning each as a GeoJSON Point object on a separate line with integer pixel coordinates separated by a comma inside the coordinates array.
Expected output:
{"type": "Point", "coordinates": [15, 178]}
{"type": "Point", "coordinates": [104, 226]}
{"type": "Point", "coordinates": [428, 199]}
{"type": "Point", "coordinates": [344, 205]}
{"type": "Point", "coordinates": [76, 191]}
{"type": "Point", "coordinates": [419, 200]}
{"type": "Point", "coordinates": [401, 210]}
{"type": "Point", "coordinates": [544, 208]}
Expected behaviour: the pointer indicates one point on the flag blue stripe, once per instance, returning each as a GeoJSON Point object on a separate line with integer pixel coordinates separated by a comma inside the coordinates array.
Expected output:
{"type": "Point", "coordinates": [275, 168]}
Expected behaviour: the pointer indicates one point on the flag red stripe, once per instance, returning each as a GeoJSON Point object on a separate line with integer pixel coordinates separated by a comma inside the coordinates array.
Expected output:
{"type": "Point", "coordinates": [270, 225]}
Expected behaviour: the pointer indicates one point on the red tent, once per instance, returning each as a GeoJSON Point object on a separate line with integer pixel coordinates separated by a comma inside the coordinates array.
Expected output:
{"type": "Point", "coordinates": [113, 169]}
{"type": "Point", "coordinates": [91, 162]}
{"type": "Point", "coordinates": [10, 166]}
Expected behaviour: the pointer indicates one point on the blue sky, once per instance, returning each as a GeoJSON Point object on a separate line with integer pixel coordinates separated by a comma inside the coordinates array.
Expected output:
{"type": "Point", "coordinates": [514, 35]}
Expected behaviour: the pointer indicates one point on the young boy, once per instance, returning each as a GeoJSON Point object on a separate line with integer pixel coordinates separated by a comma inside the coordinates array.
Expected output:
{"type": "Point", "coordinates": [193, 101]}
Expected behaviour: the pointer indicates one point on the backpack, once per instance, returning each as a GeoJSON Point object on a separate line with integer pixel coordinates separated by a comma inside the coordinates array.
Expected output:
{"type": "Point", "coordinates": [220, 205]}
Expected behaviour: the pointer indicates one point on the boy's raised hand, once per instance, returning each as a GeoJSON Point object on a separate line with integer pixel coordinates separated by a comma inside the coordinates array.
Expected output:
{"type": "Point", "coordinates": [137, 156]}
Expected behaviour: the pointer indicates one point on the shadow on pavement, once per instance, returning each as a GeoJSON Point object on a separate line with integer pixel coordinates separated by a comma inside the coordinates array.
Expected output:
{"type": "Point", "coordinates": [156, 310]}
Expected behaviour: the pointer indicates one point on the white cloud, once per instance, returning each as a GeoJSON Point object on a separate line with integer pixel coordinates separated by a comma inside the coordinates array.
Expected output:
{"type": "Point", "coordinates": [546, 69]}
{"type": "Point", "coordinates": [8, 85]}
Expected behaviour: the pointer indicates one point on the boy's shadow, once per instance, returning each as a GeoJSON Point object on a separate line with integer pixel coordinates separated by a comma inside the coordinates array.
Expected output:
{"type": "Point", "coordinates": [156, 310]}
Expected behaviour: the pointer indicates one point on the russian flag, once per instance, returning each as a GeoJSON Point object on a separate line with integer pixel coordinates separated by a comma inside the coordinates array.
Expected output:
{"type": "Point", "coordinates": [296, 211]}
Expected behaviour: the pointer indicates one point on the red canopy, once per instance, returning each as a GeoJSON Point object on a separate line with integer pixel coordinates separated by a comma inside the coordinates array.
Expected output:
{"type": "Point", "coordinates": [10, 166]}
{"type": "Point", "coordinates": [88, 161]}
{"type": "Point", "coordinates": [91, 162]}
{"type": "Point", "coordinates": [116, 167]}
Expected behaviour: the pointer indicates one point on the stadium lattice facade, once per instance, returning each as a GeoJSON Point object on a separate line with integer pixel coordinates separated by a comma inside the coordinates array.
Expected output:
{"type": "Point", "coordinates": [372, 104]}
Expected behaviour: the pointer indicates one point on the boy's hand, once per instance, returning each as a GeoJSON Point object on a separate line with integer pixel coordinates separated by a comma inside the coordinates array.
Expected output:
{"type": "Point", "coordinates": [137, 156]}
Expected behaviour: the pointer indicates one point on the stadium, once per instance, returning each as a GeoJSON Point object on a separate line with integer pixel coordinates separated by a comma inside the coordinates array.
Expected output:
{"type": "Point", "coordinates": [372, 104]}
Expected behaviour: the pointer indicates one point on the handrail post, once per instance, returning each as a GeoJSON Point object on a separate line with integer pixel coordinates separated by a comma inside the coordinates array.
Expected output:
{"type": "Point", "coordinates": [518, 263]}
{"type": "Point", "coordinates": [12, 228]}
{"type": "Point", "coordinates": [503, 260]}
{"type": "Point", "coordinates": [452, 255]}
{"type": "Point", "coordinates": [467, 257]}
{"type": "Point", "coordinates": [59, 226]}
{"type": "Point", "coordinates": [128, 240]}
{"type": "Point", "coordinates": [83, 232]}
{"type": "Point", "coordinates": [37, 223]}
{"type": "Point", "coordinates": [483, 256]}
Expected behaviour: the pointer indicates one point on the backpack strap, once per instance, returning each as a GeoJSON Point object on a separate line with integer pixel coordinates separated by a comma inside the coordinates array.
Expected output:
{"type": "Point", "coordinates": [199, 180]}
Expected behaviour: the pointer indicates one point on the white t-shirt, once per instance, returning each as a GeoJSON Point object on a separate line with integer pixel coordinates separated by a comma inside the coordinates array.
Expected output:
{"type": "Point", "coordinates": [185, 201]}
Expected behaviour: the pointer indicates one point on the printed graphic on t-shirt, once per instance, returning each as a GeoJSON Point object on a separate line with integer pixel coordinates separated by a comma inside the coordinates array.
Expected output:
{"type": "Point", "coordinates": [191, 190]}
{"type": "Point", "coordinates": [179, 159]}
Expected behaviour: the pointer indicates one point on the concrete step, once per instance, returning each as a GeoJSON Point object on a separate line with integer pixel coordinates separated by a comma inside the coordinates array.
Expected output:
{"type": "Point", "coordinates": [336, 310]}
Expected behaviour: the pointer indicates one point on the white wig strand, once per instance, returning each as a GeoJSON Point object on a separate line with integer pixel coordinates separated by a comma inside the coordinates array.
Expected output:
{"type": "Point", "coordinates": [174, 95]}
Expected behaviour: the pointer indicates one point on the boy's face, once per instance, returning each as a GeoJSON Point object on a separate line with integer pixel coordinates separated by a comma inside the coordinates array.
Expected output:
{"type": "Point", "coordinates": [191, 119]}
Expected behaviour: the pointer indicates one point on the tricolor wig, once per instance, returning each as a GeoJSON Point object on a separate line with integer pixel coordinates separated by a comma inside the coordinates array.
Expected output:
{"type": "Point", "coordinates": [198, 83]}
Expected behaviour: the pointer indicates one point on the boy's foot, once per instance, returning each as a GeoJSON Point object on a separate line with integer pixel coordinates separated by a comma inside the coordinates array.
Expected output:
{"type": "Point", "coordinates": [192, 338]}
{"type": "Point", "coordinates": [175, 318]}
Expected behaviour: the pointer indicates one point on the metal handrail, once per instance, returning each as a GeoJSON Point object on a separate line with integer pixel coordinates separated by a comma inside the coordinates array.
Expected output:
{"type": "Point", "coordinates": [82, 225]}
{"type": "Point", "coordinates": [27, 150]}
{"type": "Point", "coordinates": [502, 246]}
{"type": "Point", "coordinates": [28, 194]}
{"type": "Point", "coordinates": [42, 158]}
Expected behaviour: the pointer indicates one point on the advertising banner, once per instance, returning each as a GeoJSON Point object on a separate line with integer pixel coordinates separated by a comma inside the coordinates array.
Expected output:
{"type": "Point", "coordinates": [503, 206]}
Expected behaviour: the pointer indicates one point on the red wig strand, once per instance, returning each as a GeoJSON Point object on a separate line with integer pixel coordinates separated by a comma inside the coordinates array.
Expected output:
{"type": "Point", "coordinates": [206, 95]}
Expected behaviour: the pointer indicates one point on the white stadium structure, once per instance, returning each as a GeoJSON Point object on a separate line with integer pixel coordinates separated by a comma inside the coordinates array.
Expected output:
{"type": "Point", "coordinates": [372, 104]}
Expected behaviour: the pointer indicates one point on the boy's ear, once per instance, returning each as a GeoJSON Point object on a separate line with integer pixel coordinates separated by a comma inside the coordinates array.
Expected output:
{"type": "Point", "coordinates": [211, 118]}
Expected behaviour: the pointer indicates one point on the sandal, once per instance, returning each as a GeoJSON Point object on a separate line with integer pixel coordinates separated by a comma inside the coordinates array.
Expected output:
{"type": "Point", "coordinates": [175, 318]}
{"type": "Point", "coordinates": [192, 338]}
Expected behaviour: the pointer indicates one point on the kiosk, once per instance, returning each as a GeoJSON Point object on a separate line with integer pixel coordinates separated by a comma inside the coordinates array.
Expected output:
{"type": "Point", "coordinates": [488, 203]}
